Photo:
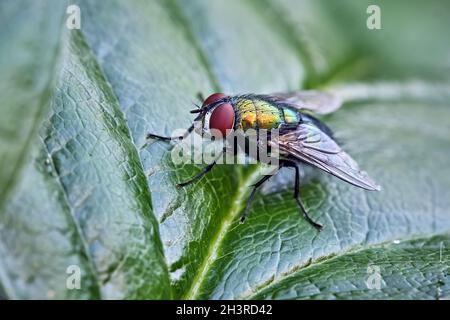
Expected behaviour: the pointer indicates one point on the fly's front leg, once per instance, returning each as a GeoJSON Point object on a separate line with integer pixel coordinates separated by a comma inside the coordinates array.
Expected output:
{"type": "Point", "coordinates": [162, 138]}
{"type": "Point", "coordinates": [204, 171]}
{"type": "Point", "coordinates": [297, 194]}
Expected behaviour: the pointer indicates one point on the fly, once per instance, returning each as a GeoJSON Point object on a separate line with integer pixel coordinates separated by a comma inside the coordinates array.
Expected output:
{"type": "Point", "coordinates": [302, 138]}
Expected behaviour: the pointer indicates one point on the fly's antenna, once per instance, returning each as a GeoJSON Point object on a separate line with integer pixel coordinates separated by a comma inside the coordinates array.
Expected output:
{"type": "Point", "coordinates": [204, 109]}
{"type": "Point", "coordinates": [200, 97]}
{"type": "Point", "coordinates": [198, 110]}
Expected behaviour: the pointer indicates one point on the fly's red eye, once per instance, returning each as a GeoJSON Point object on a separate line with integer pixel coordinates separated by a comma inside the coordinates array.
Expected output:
{"type": "Point", "coordinates": [213, 98]}
{"type": "Point", "coordinates": [222, 118]}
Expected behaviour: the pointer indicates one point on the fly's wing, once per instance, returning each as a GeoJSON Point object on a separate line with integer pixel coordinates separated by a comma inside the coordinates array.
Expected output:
{"type": "Point", "coordinates": [313, 100]}
{"type": "Point", "coordinates": [311, 145]}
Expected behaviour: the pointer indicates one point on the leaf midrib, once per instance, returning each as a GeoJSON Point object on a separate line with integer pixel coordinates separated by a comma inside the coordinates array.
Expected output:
{"type": "Point", "coordinates": [215, 243]}
{"type": "Point", "coordinates": [217, 240]}
{"type": "Point", "coordinates": [78, 230]}
{"type": "Point", "coordinates": [198, 279]}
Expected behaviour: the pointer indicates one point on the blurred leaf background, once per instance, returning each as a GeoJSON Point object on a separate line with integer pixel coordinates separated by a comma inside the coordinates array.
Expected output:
{"type": "Point", "coordinates": [77, 187]}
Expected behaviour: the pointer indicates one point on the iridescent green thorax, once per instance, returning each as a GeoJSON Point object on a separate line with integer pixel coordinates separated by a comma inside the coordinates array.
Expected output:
{"type": "Point", "coordinates": [257, 113]}
{"type": "Point", "coordinates": [290, 116]}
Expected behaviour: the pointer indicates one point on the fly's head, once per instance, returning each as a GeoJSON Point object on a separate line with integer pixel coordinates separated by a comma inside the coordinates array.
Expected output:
{"type": "Point", "coordinates": [216, 116]}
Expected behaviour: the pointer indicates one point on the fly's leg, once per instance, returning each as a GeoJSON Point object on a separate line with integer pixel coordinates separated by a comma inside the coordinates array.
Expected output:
{"type": "Point", "coordinates": [250, 198]}
{"type": "Point", "coordinates": [188, 130]}
{"type": "Point", "coordinates": [300, 203]}
{"type": "Point", "coordinates": [297, 194]}
{"type": "Point", "coordinates": [204, 171]}
{"type": "Point", "coordinates": [162, 138]}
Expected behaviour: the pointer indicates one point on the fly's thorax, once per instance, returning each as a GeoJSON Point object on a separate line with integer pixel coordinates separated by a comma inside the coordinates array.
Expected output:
{"type": "Point", "coordinates": [254, 113]}
{"type": "Point", "coordinates": [255, 144]}
{"type": "Point", "coordinates": [291, 117]}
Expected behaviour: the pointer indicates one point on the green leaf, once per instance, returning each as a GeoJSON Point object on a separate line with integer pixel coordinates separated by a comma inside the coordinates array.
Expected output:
{"type": "Point", "coordinates": [28, 62]}
{"type": "Point", "coordinates": [276, 243]}
{"type": "Point", "coordinates": [403, 266]}
{"type": "Point", "coordinates": [87, 190]}
{"type": "Point", "coordinates": [84, 200]}
{"type": "Point", "coordinates": [191, 219]}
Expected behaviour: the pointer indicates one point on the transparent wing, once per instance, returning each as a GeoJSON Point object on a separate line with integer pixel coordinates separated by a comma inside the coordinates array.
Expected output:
{"type": "Point", "coordinates": [309, 144]}
{"type": "Point", "coordinates": [313, 100]}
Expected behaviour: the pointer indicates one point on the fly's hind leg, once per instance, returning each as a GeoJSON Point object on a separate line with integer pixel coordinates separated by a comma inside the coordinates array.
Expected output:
{"type": "Point", "coordinates": [287, 163]}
